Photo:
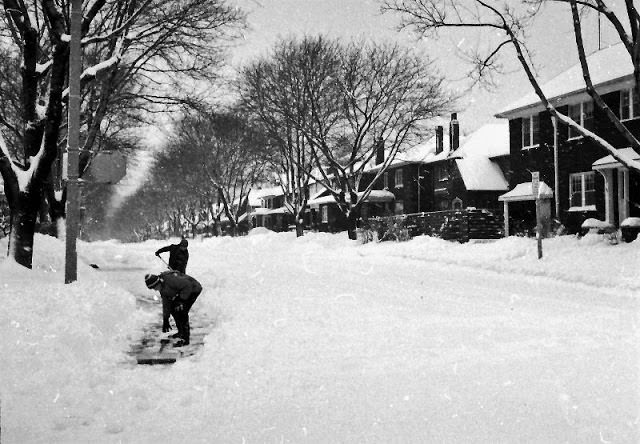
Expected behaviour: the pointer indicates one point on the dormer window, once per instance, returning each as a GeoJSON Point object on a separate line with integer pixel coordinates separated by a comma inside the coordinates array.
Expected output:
{"type": "Point", "coordinates": [629, 104]}
{"type": "Point", "coordinates": [531, 131]}
{"type": "Point", "coordinates": [582, 114]}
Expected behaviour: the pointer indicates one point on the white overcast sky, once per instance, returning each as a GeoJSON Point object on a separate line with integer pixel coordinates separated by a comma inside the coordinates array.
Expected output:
{"type": "Point", "coordinates": [551, 39]}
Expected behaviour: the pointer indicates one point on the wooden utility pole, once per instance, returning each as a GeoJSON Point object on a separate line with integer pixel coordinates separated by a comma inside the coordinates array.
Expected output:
{"type": "Point", "coordinates": [73, 145]}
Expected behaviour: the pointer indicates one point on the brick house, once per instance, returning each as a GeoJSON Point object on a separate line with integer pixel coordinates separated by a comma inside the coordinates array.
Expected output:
{"type": "Point", "coordinates": [455, 173]}
{"type": "Point", "coordinates": [436, 175]}
{"type": "Point", "coordinates": [580, 180]}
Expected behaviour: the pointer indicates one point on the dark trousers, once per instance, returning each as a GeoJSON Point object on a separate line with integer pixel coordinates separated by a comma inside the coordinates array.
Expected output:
{"type": "Point", "coordinates": [181, 317]}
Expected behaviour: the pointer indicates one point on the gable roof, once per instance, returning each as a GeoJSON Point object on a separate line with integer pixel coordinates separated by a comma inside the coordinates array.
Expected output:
{"type": "Point", "coordinates": [609, 66]}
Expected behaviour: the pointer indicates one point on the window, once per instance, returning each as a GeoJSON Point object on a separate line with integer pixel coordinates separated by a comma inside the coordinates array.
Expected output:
{"type": "Point", "coordinates": [385, 181]}
{"type": "Point", "coordinates": [398, 178]}
{"type": "Point", "coordinates": [582, 190]}
{"type": "Point", "coordinates": [629, 104]}
{"type": "Point", "coordinates": [398, 207]}
{"type": "Point", "coordinates": [441, 173]}
{"type": "Point", "coordinates": [531, 131]}
{"type": "Point", "coordinates": [581, 113]}
{"type": "Point", "coordinates": [324, 212]}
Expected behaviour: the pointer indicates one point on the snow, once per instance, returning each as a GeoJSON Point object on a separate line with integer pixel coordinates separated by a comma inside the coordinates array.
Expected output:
{"type": "Point", "coordinates": [609, 64]}
{"type": "Point", "coordinates": [322, 339]}
{"type": "Point", "coordinates": [524, 191]}
{"type": "Point", "coordinates": [481, 173]}
{"type": "Point", "coordinates": [631, 222]}
{"type": "Point", "coordinates": [595, 223]}
{"type": "Point", "coordinates": [627, 154]}
{"type": "Point", "coordinates": [490, 140]}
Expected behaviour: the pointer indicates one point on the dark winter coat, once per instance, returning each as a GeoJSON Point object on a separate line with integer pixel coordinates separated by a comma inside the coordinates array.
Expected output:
{"type": "Point", "coordinates": [178, 256]}
{"type": "Point", "coordinates": [177, 287]}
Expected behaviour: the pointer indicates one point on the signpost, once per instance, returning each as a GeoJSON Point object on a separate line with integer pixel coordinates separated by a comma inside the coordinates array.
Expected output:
{"type": "Point", "coordinates": [535, 189]}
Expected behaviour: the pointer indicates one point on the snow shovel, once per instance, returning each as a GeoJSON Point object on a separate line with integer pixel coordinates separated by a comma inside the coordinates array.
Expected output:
{"type": "Point", "coordinates": [165, 262]}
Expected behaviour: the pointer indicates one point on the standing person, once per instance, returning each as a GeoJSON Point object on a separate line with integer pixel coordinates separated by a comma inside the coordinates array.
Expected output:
{"type": "Point", "coordinates": [178, 255]}
{"type": "Point", "coordinates": [178, 292]}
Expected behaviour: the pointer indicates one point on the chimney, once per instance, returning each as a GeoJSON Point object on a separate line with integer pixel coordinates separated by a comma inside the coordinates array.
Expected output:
{"type": "Point", "coordinates": [439, 139]}
{"type": "Point", "coordinates": [379, 146]}
{"type": "Point", "coordinates": [454, 132]}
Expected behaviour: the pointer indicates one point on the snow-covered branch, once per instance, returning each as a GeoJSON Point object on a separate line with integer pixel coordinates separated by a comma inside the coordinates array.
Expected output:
{"type": "Point", "coordinates": [93, 71]}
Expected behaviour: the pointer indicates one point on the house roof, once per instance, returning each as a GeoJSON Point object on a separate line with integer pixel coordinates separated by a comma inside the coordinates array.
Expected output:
{"type": "Point", "coordinates": [611, 65]}
{"type": "Point", "coordinates": [479, 173]}
{"type": "Point", "coordinates": [607, 162]}
{"type": "Point", "coordinates": [490, 140]}
{"type": "Point", "coordinates": [374, 196]}
{"type": "Point", "coordinates": [524, 191]}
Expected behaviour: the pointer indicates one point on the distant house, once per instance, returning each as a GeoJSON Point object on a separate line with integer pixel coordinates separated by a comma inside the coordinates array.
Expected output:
{"type": "Point", "coordinates": [435, 175]}
{"type": "Point", "coordinates": [455, 173]}
{"type": "Point", "coordinates": [267, 209]}
{"type": "Point", "coordinates": [579, 179]}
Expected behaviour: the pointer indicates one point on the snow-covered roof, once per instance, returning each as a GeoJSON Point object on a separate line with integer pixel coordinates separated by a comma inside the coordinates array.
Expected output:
{"type": "Point", "coordinates": [481, 173]}
{"type": "Point", "coordinates": [524, 191]}
{"type": "Point", "coordinates": [424, 152]}
{"type": "Point", "coordinates": [607, 162]}
{"type": "Point", "coordinates": [374, 196]}
{"type": "Point", "coordinates": [490, 140]}
{"type": "Point", "coordinates": [269, 192]}
{"type": "Point", "coordinates": [611, 65]}
{"type": "Point", "coordinates": [631, 222]}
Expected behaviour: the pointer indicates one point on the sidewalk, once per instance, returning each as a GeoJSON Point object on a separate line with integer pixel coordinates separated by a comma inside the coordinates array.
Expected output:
{"type": "Point", "coordinates": [156, 347]}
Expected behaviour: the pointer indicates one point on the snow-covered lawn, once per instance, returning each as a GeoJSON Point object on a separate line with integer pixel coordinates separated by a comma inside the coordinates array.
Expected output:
{"type": "Point", "coordinates": [322, 339]}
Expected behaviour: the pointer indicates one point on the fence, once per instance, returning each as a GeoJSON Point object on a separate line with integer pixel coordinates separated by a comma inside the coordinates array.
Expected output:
{"type": "Point", "coordinates": [459, 225]}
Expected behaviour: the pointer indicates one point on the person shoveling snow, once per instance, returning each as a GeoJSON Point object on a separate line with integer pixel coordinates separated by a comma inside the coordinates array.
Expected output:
{"type": "Point", "coordinates": [178, 292]}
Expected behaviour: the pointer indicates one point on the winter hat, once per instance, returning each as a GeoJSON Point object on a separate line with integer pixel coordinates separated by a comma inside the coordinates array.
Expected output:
{"type": "Point", "coordinates": [151, 280]}
{"type": "Point", "coordinates": [184, 243]}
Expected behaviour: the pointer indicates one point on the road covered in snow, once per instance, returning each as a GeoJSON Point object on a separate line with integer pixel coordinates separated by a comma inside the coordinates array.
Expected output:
{"type": "Point", "coordinates": [322, 339]}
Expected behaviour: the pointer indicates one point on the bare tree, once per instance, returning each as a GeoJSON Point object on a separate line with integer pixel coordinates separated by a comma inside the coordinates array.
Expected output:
{"type": "Point", "coordinates": [273, 91]}
{"type": "Point", "coordinates": [386, 94]}
{"type": "Point", "coordinates": [346, 100]}
{"type": "Point", "coordinates": [137, 56]}
{"type": "Point", "coordinates": [208, 169]}
{"type": "Point", "coordinates": [510, 24]}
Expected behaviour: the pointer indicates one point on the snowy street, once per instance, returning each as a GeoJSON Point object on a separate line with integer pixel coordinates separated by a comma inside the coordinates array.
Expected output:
{"type": "Point", "coordinates": [321, 339]}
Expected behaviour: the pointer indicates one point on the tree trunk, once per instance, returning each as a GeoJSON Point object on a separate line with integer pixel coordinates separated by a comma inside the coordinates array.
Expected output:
{"type": "Point", "coordinates": [299, 229]}
{"type": "Point", "coordinates": [351, 226]}
{"type": "Point", "coordinates": [57, 208]}
{"type": "Point", "coordinates": [23, 223]}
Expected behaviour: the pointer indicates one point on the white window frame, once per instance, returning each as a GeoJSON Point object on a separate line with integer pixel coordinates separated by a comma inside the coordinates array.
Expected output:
{"type": "Point", "coordinates": [580, 121]}
{"type": "Point", "coordinates": [529, 121]}
{"type": "Point", "coordinates": [632, 106]}
{"type": "Point", "coordinates": [324, 214]}
{"type": "Point", "coordinates": [397, 179]}
{"type": "Point", "coordinates": [583, 190]}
